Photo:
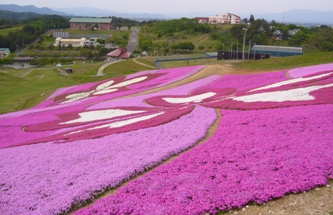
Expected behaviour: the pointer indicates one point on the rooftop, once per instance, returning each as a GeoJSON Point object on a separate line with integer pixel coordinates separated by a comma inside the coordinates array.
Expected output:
{"type": "Point", "coordinates": [91, 20]}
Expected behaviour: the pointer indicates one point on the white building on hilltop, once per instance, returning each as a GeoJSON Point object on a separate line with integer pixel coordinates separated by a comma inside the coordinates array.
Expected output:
{"type": "Point", "coordinates": [227, 18]}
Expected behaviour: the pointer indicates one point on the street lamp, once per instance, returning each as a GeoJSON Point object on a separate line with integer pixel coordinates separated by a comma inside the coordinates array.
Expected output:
{"type": "Point", "coordinates": [245, 30]}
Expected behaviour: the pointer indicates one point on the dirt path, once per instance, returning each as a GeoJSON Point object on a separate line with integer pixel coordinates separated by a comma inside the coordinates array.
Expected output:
{"type": "Point", "coordinates": [201, 39]}
{"type": "Point", "coordinates": [62, 72]}
{"type": "Point", "coordinates": [143, 64]}
{"type": "Point", "coordinates": [27, 73]}
{"type": "Point", "coordinates": [318, 201]}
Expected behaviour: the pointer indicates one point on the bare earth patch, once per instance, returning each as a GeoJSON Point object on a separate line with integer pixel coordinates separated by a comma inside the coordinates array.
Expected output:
{"type": "Point", "coordinates": [318, 201]}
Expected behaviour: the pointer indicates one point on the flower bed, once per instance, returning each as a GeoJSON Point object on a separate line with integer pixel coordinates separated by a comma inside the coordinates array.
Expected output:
{"type": "Point", "coordinates": [121, 86]}
{"type": "Point", "coordinates": [274, 138]}
{"type": "Point", "coordinates": [47, 178]}
{"type": "Point", "coordinates": [251, 157]}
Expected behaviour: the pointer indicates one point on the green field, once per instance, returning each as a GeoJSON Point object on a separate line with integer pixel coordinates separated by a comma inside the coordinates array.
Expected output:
{"type": "Point", "coordinates": [21, 93]}
{"type": "Point", "coordinates": [287, 62]}
{"type": "Point", "coordinates": [6, 31]}
{"type": "Point", "coordinates": [124, 68]}
{"type": "Point", "coordinates": [106, 32]}
{"type": "Point", "coordinates": [182, 63]}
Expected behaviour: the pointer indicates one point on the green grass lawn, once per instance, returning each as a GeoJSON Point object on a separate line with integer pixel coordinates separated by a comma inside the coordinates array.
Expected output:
{"type": "Point", "coordinates": [205, 61]}
{"type": "Point", "coordinates": [5, 32]}
{"type": "Point", "coordinates": [124, 68]}
{"type": "Point", "coordinates": [106, 32]}
{"type": "Point", "coordinates": [84, 68]}
{"type": "Point", "coordinates": [286, 62]}
{"type": "Point", "coordinates": [21, 93]}
{"type": "Point", "coordinates": [147, 60]}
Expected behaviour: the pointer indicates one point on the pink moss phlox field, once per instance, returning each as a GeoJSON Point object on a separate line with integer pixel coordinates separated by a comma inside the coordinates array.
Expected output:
{"type": "Point", "coordinates": [48, 178]}
{"type": "Point", "coordinates": [92, 131]}
{"type": "Point", "coordinates": [275, 137]}
{"type": "Point", "coordinates": [304, 71]}
{"type": "Point", "coordinates": [245, 82]}
{"type": "Point", "coordinates": [154, 79]}
{"type": "Point", "coordinates": [251, 157]}
{"type": "Point", "coordinates": [139, 101]}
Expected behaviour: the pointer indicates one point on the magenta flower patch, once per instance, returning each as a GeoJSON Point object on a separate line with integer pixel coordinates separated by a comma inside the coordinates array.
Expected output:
{"type": "Point", "coordinates": [274, 138]}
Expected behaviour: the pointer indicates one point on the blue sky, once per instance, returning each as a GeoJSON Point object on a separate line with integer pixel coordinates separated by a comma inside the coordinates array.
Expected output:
{"type": "Point", "coordinates": [212, 7]}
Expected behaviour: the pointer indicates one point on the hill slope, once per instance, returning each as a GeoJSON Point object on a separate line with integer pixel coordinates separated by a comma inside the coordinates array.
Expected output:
{"type": "Point", "coordinates": [30, 8]}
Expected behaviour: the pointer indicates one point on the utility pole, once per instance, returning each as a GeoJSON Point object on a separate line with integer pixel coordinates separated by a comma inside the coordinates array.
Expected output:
{"type": "Point", "coordinates": [245, 30]}
{"type": "Point", "coordinates": [248, 57]}
{"type": "Point", "coordinates": [237, 49]}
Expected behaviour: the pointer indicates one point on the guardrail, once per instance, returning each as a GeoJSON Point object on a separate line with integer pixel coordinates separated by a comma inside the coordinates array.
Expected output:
{"type": "Point", "coordinates": [181, 58]}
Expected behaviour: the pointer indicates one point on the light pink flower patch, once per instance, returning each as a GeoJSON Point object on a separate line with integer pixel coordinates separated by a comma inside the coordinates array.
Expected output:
{"type": "Point", "coordinates": [304, 71]}
{"type": "Point", "coordinates": [48, 178]}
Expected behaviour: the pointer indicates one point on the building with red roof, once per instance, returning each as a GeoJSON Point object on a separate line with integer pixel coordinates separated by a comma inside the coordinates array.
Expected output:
{"type": "Point", "coordinates": [120, 53]}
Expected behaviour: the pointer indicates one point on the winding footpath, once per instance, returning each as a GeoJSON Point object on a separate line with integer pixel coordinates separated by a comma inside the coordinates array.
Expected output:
{"type": "Point", "coordinates": [108, 63]}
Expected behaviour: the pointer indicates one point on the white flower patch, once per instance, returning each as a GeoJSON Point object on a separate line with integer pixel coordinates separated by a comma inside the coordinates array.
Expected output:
{"type": "Point", "coordinates": [120, 123]}
{"type": "Point", "coordinates": [105, 91]}
{"type": "Point", "coordinates": [105, 85]}
{"type": "Point", "coordinates": [292, 81]}
{"type": "Point", "coordinates": [129, 82]}
{"type": "Point", "coordinates": [77, 96]}
{"type": "Point", "coordinates": [300, 94]}
{"type": "Point", "coordinates": [128, 121]}
{"type": "Point", "coordinates": [197, 98]}
{"type": "Point", "coordinates": [101, 114]}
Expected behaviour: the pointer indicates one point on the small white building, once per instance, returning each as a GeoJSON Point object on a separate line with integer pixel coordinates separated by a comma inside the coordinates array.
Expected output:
{"type": "Point", "coordinates": [74, 42]}
{"type": "Point", "coordinates": [293, 32]}
{"type": "Point", "coordinates": [4, 52]}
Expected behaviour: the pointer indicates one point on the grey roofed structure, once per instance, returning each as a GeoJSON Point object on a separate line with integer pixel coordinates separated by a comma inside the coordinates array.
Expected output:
{"type": "Point", "coordinates": [91, 20]}
{"type": "Point", "coordinates": [277, 50]}
{"type": "Point", "coordinates": [91, 23]}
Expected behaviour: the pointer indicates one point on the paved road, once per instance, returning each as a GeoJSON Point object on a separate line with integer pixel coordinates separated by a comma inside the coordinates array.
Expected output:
{"type": "Point", "coordinates": [108, 63]}
{"type": "Point", "coordinates": [18, 52]}
{"type": "Point", "coordinates": [134, 40]}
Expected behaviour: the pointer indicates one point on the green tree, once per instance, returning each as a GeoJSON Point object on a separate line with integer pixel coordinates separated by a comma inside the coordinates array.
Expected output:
{"type": "Point", "coordinates": [146, 45]}
{"type": "Point", "coordinates": [251, 18]}
{"type": "Point", "coordinates": [298, 39]}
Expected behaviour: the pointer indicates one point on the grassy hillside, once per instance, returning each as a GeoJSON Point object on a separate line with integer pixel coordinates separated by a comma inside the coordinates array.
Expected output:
{"type": "Point", "coordinates": [124, 68]}
{"type": "Point", "coordinates": [21, 93]}
{"type": "Point", "coordinates": [287, 62]}
{"type": "Point", "coordinates": [5, 32]}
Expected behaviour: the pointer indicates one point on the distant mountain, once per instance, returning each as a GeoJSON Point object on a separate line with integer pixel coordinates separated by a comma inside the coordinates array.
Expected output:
{"type": "Point", "coordinates": [30, 8]}
{"type": "Point", "coordinates": [5, 14]}
{"type": "Point", "coordinates": [299, 16]}
{"type": "Point", "coordinates": [95, 12]}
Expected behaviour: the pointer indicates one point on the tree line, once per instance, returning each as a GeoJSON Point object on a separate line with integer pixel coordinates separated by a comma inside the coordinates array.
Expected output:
{"type": "Point", "coordinates": [31, 31]}
{"type": "Point", "coordinates": [263, 32]}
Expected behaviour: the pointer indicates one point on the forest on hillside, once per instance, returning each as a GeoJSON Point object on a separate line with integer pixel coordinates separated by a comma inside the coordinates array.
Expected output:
{"type": "Point", "coordinates": [163, 35]}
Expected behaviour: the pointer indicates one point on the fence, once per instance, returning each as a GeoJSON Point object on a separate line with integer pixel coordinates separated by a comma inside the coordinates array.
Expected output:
{"type": "Point", "coordinates": [225, 55]}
